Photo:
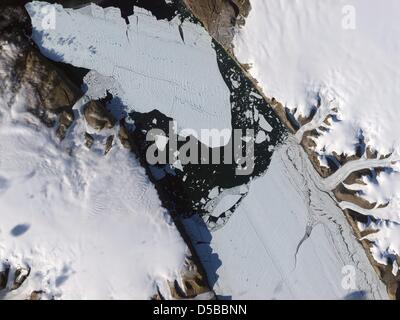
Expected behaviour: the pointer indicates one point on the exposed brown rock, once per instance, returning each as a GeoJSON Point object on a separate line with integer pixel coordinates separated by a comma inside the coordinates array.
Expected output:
{"type": "Point", "coordinates": [124, 136]}
{"type": "Point", "coordinates": [109, 143]}
{"type": "Point", "coordinates": [336, 160]}
{"type": "Point", "coordinates": [20, 276]}
{"type": "Point", "coordinates": [193, 279]}
{"type": "Point", "coordinates": [343, 194]}
{"type": "Point", "coordinates": [36, 295]}
{"type": "Point", "coordinates": [193, 282]}
{"type": "Point", "coordinates": [220, 17]}
{"type": "Point", "coordinates": [89, 140]}
{"type": "Point", "coordinates": [371, 154]}
{"type": "Point", "coordinates": [97, 116]}
{"type": "Point", "coordinates": [309, 146]}
{"type": "Point", "coordinates": [4, 276]}
{"type": "Point", "coordinates": [367, 232]}
{"type": "Point", "coordinates": [47, 88]}
{"type": "Point", "coordinates": [282, 114]}
{"type": "Point", "coordinates": [157, 297]}
{"type": "Point", "coordinates": [55, 91]}
{"type": "Point", "coordinates": [356, 177]}
{"type": "Point", "coordinates": [65, 121]}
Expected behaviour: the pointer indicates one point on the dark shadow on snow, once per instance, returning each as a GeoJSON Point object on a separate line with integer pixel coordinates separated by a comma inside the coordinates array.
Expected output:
{"type": "Point", "coordinates": [20, 229]}
{"type": "Point", "coordinates": [356, 295]}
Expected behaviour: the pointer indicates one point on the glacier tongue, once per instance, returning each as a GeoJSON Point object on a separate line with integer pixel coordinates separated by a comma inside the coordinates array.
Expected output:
{"type": "Point", "coordinates": [287, 240]}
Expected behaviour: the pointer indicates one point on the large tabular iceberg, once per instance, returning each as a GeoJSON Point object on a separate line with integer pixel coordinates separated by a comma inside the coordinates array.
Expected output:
{"type": "Point", "coordinates": [168, 66]}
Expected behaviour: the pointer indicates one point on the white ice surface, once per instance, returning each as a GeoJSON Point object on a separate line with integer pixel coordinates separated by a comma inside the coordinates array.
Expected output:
{"type": "Point", "coordinates": [301, 49]}
{"type": "Point", "coordinates": [257, 247]}
{"type": "Point", "coordinates": [153, 68]}
{"type": "Point", "coordinates": [89, 226]}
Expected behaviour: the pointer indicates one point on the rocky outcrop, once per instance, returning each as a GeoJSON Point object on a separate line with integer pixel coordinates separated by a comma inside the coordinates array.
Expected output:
{"type": "Point", "coordinates": [21, 274]}
{"type": "Point", "coordinates": [65, 121]}
{"type": "Point", "coordinates": [343, 194]}
{"type": "Point", "coordinates": [36, 295]}
{"type": "Point", "coordinates": [4, 271]}
{"type": "Point", "coordinates": [12, 278]}
{"type": "Point", "coordinates": [109, 144]}
{"type": "Point", "coordinates": [97, 116]}
{"type": "Point", "coordinates": [49, 92]}
{"type": "Point", "coordinates": [192, 282]}
{"type": "Point", "coordinates": [55, 91]}
{"type": "Point", "coordinates": [124, 136]}
{"type": "Point", "coordinates": [89, 140]}
{"type": "Point", "coordinates": [220, 17]}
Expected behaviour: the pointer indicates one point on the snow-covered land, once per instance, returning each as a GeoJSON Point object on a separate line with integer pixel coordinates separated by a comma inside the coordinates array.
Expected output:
{"type": "Point", "coordinates": [300, 50]}
{"type": "Point", "coordinates": [154, 64]}
{"type": "Point", "coordinates": [344, 58]}
{"type": "Point", "coordinates": [85, 225]}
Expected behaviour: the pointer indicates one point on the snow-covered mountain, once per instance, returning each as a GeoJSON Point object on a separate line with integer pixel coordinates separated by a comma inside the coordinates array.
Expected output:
{"type": "Point", "coordinates": [331, 68]}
